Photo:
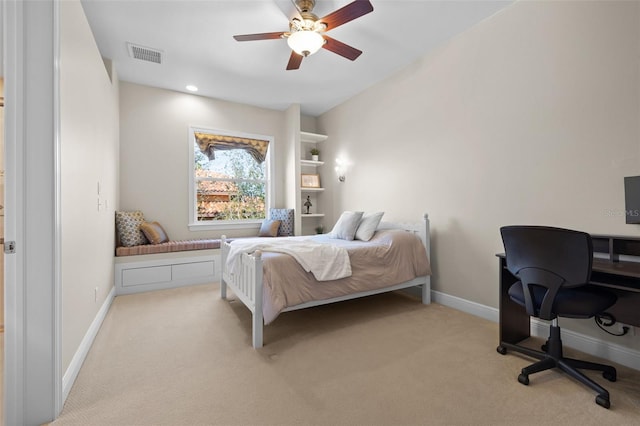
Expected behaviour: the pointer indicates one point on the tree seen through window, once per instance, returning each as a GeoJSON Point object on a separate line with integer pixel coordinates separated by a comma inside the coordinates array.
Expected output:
{"type": "Point", "coordinates": [231, 187]}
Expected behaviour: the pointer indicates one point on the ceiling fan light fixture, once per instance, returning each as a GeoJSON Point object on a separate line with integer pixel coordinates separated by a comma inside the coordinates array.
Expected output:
{"type": "Point", "coordinates": [305, 42]}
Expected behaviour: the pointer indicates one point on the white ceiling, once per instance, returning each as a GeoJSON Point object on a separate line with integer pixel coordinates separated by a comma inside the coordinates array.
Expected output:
{"type": "Point", "coordinates": [196, 38]}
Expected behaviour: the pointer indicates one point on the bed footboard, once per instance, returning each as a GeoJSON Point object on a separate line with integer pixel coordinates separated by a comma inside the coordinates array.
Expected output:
{"type": "Point", "coordinates": [246, 285]}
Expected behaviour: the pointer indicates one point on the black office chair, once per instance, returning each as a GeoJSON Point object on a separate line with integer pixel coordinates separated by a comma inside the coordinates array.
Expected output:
{"type": "Point", "coordinates": [553, 266]}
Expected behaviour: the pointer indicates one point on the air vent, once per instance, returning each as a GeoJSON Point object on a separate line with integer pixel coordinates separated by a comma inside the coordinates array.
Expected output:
{"type": "Point", "coordinates": [145, 53]}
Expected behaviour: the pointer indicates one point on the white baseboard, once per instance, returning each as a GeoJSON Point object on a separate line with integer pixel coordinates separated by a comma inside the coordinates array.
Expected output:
{"type": "Point", "coordinates": [78, 358]}
{"type": "Point", "coordinates": [473, 308]}
{"type": "Point", "coordinates": [587, 344]}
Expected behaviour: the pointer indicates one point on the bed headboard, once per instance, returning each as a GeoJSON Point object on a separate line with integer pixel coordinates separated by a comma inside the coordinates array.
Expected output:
{"type": "Point", "coordinates": [421, 229]}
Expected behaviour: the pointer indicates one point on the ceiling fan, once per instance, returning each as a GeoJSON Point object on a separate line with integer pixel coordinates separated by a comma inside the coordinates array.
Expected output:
{"type": "Point", "coordinates": [306, 33]}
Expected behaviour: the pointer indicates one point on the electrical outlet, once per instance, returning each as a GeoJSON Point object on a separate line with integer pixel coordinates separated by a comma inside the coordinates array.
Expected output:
{"type": "Point", "coordinates": [95, 294]}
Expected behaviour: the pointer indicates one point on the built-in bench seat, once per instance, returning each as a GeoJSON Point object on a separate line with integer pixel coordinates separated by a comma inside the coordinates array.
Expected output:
{"type": "Point", "coordinates": [148, 267]}
{"type": "Point", "coordinates": [169, 247]}
{"type": "Point", "coordinates": [158, 271]}
{"type": "Point", "coordinates": [166, 265]}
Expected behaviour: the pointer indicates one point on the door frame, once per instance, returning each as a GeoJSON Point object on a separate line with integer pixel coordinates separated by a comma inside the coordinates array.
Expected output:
{"type": "Point", "coordinates": [32, 369]}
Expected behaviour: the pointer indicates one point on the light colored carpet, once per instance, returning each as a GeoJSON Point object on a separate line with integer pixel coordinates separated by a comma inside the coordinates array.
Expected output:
{"type": "Point", "coordinates": [183, 357]}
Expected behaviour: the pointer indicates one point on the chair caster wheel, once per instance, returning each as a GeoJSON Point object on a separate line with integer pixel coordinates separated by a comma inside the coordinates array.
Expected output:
{"type": "Point", "coordinates": [610, 375]}
{"type": "Point", "coordinates": [501, 350]}
{"type": "Point", "coordinates": [603, 401]}
{"type": "Point", "coordinates": [523, 379]}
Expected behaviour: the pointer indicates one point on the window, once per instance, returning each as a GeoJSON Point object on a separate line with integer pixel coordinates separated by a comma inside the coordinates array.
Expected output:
{"type": "Point", "coordinates": [229, 184]}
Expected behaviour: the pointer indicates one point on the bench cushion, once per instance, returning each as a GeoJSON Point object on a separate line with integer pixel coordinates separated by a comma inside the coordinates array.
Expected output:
{"type": "Point", "coordinates": [168, 247]}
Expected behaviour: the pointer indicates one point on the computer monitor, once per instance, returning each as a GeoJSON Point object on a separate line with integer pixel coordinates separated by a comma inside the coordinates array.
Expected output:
{"type": "Point", "coordinates": [632, 199]}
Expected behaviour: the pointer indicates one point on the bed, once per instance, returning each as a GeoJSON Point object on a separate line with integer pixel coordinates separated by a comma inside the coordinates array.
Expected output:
{"type": "Point", "coordinates": [269, 282]}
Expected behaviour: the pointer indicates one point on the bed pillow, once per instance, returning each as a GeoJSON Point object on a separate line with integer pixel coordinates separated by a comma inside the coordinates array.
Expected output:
{"type": "Point", "coordinates": [128, 228]}
{"type": "Point", "coordinates": [345, 228]}
{"type": "Point", "coordinates": [269, 228]}
{"type": "Point", "coordinates": [368, 225]}
{"type": "Point", "coordinates": [154, 232]}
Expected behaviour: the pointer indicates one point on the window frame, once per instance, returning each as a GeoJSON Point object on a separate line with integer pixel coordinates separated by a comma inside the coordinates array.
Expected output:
{"type": "Point", "coordinates": [196, 225]}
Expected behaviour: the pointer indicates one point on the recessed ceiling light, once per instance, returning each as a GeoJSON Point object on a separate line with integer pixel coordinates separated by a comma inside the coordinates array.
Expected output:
{"type": "Point", "coordinates": [192, 88]}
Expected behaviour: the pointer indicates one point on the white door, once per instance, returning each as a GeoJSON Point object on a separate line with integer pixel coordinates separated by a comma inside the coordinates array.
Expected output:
{"type": "Point", "coordinates": [32, 385]}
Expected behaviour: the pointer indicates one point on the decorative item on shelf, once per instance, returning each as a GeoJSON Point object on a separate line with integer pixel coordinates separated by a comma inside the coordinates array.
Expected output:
{"type": "Point", "coordinates": [319, 229]}
{"type": "Point", "coordinates": [341, 168]}
{"type": "Point", "coordinates": [315, 152]}
{"type": "Point", "coordinates": [310, 181]}
{"type": "Point", "coordinates": [308, 204]}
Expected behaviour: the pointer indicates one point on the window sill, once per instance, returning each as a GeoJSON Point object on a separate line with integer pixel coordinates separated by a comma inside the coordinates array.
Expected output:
{"type": "Point", "coordinates": [222, 226]}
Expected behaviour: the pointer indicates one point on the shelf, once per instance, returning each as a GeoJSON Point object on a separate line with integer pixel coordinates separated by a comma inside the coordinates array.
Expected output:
{"type": "Point", "coordinates": [312, 137]}
{"type": "Point", "coordinates": [311, 163]}
{"type": "Point", "coordinates": [615, 246]}
{"type": "Point", "coordinates": [306, 165]}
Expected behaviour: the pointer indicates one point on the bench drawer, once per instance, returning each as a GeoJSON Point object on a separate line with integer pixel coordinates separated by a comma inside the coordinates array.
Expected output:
{"type": "Point", "coordinates": [192, 270]}
{"type": "Point", "coordinates": [149, 275]}
{"type": "Point", "coordinates": [161, 273]}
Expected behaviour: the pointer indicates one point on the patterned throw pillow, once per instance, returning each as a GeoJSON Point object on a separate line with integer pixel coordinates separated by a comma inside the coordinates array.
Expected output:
{"type": "Point", "coordinates": [154, 232]}
{"type": "Point", "coordinates": [285, 216]}
{"type": "Point", "coordinates": [128, 228]}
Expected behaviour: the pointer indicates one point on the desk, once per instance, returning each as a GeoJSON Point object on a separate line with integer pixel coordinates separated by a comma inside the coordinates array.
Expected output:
{"type": "Point", "coordinates": [622, 277]}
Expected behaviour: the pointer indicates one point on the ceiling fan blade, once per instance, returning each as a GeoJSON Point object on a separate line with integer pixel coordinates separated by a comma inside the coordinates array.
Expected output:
{"type": "Point", "coordinates": [294, 61]}
{"type": "Point", "coordinates": [341, 49]}
{"type": "Point", "coordinates": [347, 13]}
{"type": "Point", "coordinates": [261, 36]}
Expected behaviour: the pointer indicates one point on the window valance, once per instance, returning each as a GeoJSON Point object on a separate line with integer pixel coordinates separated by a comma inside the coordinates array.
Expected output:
{"type": "Point", "coordinates": [208, 143]}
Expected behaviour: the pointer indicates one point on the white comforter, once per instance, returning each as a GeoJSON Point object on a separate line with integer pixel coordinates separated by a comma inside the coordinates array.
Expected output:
{"type": "Point", "coordinates": [326, 262]}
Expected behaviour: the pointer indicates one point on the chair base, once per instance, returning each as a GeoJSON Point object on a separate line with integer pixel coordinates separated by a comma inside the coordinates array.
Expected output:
{"type": "Point", "coordinates": [553, 358]}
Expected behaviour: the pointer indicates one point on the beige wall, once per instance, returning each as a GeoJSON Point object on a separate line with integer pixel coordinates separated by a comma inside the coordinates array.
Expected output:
{"type": "Point", "coordinates": [89, 155]}
{"type": "Point", "coordinates": [531, 117]}
{"type": "Point", "coordinates": [154, 151]}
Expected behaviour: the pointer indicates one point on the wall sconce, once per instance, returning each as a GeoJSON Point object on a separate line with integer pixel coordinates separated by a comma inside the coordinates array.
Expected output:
{"type": "Point", "coordinates": [341, 168]}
